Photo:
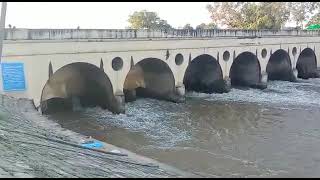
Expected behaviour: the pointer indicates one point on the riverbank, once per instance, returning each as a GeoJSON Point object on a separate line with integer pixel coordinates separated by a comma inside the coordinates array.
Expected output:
{"type": "Point", "coordinates": [33, 146]}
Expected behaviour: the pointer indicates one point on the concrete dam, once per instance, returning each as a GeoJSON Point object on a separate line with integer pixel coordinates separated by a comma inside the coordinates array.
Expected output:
{"type": "Point", "coordinates": [213, 103]}
{"type": "Point", "coordinates": [107, 68]}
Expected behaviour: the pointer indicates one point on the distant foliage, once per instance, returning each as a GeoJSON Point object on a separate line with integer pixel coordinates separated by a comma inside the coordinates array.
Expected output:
{"type": "Point", "coordinates": [206, 26]}
{"type": "Point", "coordinates": [188, 26]}
{"type": "Point", "coordinates": [301, 11]}
{"type": "Point", "coordinates": [260, 15]}
{"type": "Point", "coordinates": [240, 15]}
{"type": "Point", "coordinates": [200, 26]}
{"type": "Point", "coordinates": [314, 20]}
{"type": "Point", "coordinates": [147, 20]}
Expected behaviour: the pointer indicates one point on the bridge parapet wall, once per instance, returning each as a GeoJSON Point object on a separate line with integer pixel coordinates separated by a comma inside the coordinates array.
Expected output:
{"type": "Point", "coordinates": [58, 34]}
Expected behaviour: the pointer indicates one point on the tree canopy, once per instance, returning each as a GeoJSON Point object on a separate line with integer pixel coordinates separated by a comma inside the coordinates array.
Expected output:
{"type": "Point", "coordinates": [260, 15]}
{"type": "Point", "coordinates": [200, 26]}
{"type": "Point", "coordinates": [187, 26]}
{"type": "Point", "coordinates": [314, 20]}
{"type": "Point", "coordinates": [301, 11]}
{"type": "Point", "coordinates": [240, 15]}
{"type": "Point", "coordinates": [206, 26]}
{"type": "Point", "coordinates": [147, 20]}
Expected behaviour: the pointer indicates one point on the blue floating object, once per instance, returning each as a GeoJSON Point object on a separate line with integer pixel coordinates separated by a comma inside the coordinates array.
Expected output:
{"type": "Point", "coordinates": [92, 144]}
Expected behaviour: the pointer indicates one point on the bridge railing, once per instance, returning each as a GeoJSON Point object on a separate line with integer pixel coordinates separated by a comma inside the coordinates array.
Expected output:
{"type": "Point", "coordinates": [58, 34]}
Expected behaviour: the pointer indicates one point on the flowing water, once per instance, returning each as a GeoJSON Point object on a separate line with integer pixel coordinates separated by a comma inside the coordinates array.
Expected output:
{"type": "Point", "coordinates": [245, 133]}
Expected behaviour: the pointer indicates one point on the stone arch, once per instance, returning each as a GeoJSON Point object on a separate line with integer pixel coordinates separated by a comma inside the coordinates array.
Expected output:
{"type": "Point", "coordinates": [150, 77]}
{"type": "Point", "coordinates": [204, 74]}
{"type": "Point", "coordinates": [83, 81]}
{"type": "Point", "coordinates": [279, 66]}
{"type": "Point", "coordinates": [246, 71]}
{"type": "Point", "coordinates": [307, 64]}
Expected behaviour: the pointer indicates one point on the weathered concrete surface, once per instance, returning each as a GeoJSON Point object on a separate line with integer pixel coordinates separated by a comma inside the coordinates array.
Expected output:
{"type": "Point", "coordinates": [30, 147]}
{"type": "Point", "coordinates": [151, 77]}
{"type": "Point", "coordinates": [133, 33]}
{"type": "Point", "coordinates": [307, 64]}
{"type": "Point", "coordinates": [39, 48]}
{"type": "Point", "coordinates": [279, 67]}
{"type": "Point", "coordinates": [83, 80]}
{"type": "Point", "coordinates": [245, 71]}
{"type": "Point", "coordinates": [204, 74]}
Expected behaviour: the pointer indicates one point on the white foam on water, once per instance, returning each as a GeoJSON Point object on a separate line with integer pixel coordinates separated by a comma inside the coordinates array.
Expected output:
{"type": "Point", "coordinates": [159, 120]}
{"type": "Point", "coordinates": [279, 93]}
{"type": "Point", "coordinates": [149, 116]}
{"type": "Point", "coordinates": [162, 122]}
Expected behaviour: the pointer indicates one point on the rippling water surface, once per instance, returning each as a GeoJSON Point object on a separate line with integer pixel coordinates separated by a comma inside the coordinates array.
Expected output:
{"type": "Point", "coordinates": [245, 133]}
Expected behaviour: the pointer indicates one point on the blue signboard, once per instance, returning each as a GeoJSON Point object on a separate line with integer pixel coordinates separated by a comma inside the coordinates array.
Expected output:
{"type": "Point", "coordinates": [13, 78]}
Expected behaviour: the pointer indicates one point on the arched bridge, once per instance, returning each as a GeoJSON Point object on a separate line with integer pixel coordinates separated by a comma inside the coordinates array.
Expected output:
{"type": "Point", "coordinates": [110, 67]}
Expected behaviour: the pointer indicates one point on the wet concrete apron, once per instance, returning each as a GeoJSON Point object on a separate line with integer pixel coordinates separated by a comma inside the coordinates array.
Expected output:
{"type": "Point", "coordinates": [33, 146]}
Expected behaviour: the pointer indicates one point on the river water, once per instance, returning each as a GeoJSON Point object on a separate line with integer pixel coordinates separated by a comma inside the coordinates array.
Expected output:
{"type": "Point", "coordinates": [244, 133]}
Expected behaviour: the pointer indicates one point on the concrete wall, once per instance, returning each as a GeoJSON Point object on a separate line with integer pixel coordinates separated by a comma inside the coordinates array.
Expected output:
{"type": "Point", "coordinates": [36, 54]}
{"type": "Point", "coordinates": [58, 34]}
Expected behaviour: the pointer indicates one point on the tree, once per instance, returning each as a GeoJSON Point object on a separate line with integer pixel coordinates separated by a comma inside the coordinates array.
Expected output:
{"type": "Point", "coordinates": [147, 20]}
{"type": "Point", "coordinates": [301, 11]}
{"type": "Point", "coordinates": [314, 20]}
{"type": "Point", "coordinates": [249, 15]}
{"type": "Point", "coordinates": [206, 26]}
{"type": "Point", "coordinates": [261, 15]}
{"type": "Point", "coordinates": [272, 15]}
{"type": "Point", "coordinates": [187, 26]}
{"type": "Point", "coordinates": [201, 26]}
{"type": "Point", "coordinates": [225, 13]}
{"type": "Point", "coordinates": [211, 26]}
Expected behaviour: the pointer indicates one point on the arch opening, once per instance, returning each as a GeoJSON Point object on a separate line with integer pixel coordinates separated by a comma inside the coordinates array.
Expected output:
{"type": "Point", "coordinates": [279, 67]}
{"type": "Point", "coordinates": [78, 82]}
{"type": "Point", "coordinates": [264, 53]}
{"type": "Point", "coordinates": [226, 55]}
{"type": "Point", "coordinates": [246, 71]}
{"type": "Point", "coordinates": [307, 64]}
{"type": "Point", "coordinates": [151, 78]}
{"type": "Point", "coordinates": [204, 75]}
{"type": "Point", "coordinates": [179, 59]}
{"type": "Point", "coordinates": [117, 64]}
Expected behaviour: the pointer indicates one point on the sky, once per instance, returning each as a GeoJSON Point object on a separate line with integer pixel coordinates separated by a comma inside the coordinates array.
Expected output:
{"type": "Point", "coordinates": [100, 15]}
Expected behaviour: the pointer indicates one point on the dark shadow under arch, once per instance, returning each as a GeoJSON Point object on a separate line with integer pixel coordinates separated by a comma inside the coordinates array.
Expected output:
{"type": "Point", "coordinates": [279, 66]}
{"type": "Point", "coordinates": [153, 78]}
{"type": "Point", "coordinates": [204, 75]}
{"type": "Point", "coordinates": [246, 71]}
{"type": "Point", "coordinates": [307, 64]}
{"type": "Point", "coordinates": [82, 81]}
